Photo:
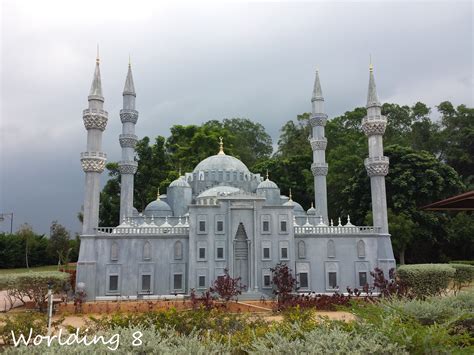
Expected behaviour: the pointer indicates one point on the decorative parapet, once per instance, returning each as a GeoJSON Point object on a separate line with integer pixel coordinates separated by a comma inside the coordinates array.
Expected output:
{"type": "Point", "coordinates": [93, 161]}
{"type": "Point", "coordinates": [336, 230]}
{"type": "Point", "coordinates": [318, 119]}
{"type": "Point", "coordinates": [128, 140]}
{"type": "Point", "coordinates": [374, 125]}
{"type": "Point", "coordinates": [318, 143]}
{"type": "Point", "coordinates": [95, 119]}
{"type": "Point", "coordinates": [128, 167]}
{"type": "Point", "coordinates": [127, 115]}
{"type": "Point", "coordinates": [319, 169]}
{"type": "Point", "coordinates": [377, 166]}
{"type": "Point", "coordinates": [142, 230]}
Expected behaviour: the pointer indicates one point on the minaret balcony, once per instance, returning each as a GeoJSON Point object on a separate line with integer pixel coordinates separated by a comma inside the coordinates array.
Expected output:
{"type": "Point", "coordinates": [318, 143]}
{"type": "Point", "coordinates": [129, 115]}
{"type": "Point", "coordinates": [128, 167]}
{"type": "Point", "coordinates": [377, 166]}
{"type": "Point", "coordinates": [128, 140]}
{"type": "Point", "coordinates": [318, 119]}
{"type": "Point", "coordinates": [95, 119]}
{"type": "Point", "coordinates": [93, 161]}
{"type": "Point", "coordinates": [319, 169]}
{"type": "Point", "coordinates": [374, 125]}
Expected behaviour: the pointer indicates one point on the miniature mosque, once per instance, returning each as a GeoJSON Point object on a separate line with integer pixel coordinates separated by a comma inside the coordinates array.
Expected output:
{"type": "Point", "coordinates": [222, 216]}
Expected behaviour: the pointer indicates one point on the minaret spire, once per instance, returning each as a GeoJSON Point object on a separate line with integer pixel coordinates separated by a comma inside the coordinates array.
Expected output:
{"type": "Point", "coordinates": [318, 142]}
{"type": "Point", "coordinates": [128, 140]}
{"type": "Point", "coordinates": [93, 160]}
{"type": "Point", "coordinates": [374, 125]}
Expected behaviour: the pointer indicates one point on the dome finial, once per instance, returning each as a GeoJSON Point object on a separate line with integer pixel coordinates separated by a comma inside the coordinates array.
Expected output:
{"type": "Point", "coordinates": [291, 197]}
{"type": "Point", "coordinates": [267, 174]}
{"type": "Point", "coordinates": [371, 66]}
{"type": "Point", "coordinates": [312, 205]}
{"type": "Point", "coordinates": [158, 195]}
{"type": "Point", "coordinates": [97, 59]}
{"type": "Point", "coordinates": [221, 146]}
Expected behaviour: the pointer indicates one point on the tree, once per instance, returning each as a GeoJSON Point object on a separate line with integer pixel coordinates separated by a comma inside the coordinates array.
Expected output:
{"type": "Point", "coordinates": [59, 242]}
{"type": "Point", "coordinates": [227, 287]}
{"type": "Point", "coordinates": [283, 281]}
{"type": "Point", "coordinates": [26, 233]}
{"type": "Point", "coordinates": [402, 230]}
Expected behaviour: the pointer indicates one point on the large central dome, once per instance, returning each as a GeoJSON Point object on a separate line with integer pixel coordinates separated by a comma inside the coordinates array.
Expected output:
{"type": "Point", "coordinates": [221, 162]}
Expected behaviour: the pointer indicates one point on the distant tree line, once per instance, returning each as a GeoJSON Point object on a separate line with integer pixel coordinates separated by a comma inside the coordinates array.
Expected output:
{"type": "Point", "coordinates": [430, 159]}
{"type": "Point", "coordinates": [27, 249]}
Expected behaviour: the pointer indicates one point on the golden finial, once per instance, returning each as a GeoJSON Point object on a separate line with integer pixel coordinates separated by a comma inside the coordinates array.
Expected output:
{"type": "Point", "coordinates": [267, 174]}
{"type": "Point", "coordinates": [221, 146]}
{"type": "Point", "coordinates": [291, 197]}
{"type": "Point", "coordinates": [158, 195]}
{"type": "Point", "coordinates": [371, 66]}
{"type": "Point", "coordinates": [97, 60]}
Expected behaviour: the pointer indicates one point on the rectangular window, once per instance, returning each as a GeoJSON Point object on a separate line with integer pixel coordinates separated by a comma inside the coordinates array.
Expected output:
{"type": "Point", "coordinates": [113, 283]}
{"type": "Point", "coordinates": [202, 253]}
{"type": "Point", "coordinates": [220, 226]}
{"type": "Point", "coordinates": [220, 253]}
{"type": "Point", "coordinates": [283, 226]}
{"type": "Point", "coordinates": [266, 226]}
{"type": "Point", "coordinates": [202, 281]}
{"type": "Point", "coordinates": [202, 226]}
{"type": "Point", "coordinates": [284, 253]}
{"type": "Point", "coordinates": [362, 279]}
{"type": "Point", "coordinates": [177, 281]}
{"type": "Point", "coordinates": [266, 253]}
{"type": "Point", "coordinates": [146, 283]}
{"type": "Point", "coordinates": [304, 280]}
{"type": "Point", "coordinates": [267, 281]}
{"type": "Point", "coordinates": [332, 276]}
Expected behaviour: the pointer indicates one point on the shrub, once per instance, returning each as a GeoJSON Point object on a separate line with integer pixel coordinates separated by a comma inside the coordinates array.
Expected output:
{"type": "Point", "coordinates": [466, 262]}
{"type": "Point", "coordinates": [21, 323]}
{"type": "Point", "coordinates": [33, 285]}
{"type": "Point", "coordinates": [426, 279]}
{"type": "Point", "coordinates": [426, 312]}
{"type": "Point", "coordinates": [283, 281]}
{"type": "Point", "coordinates": [227, 287]}
{"type": "Point", "coordinates": [463, 276]}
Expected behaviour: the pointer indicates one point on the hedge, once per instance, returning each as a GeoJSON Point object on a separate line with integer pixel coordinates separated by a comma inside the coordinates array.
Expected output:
{"type": "Point", "coordinates": [467, 262]}
{"type": "Point", "coordinates": [464, 275]}
{"type": "Point", "coordinates": [32, 285]}
{"type": "Point", "coordinates": [426, 279]}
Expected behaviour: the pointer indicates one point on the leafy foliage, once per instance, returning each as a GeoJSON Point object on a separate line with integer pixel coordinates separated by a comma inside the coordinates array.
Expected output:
{"type": "Point", "coordinates": [283, 281]}
{"type": "Point", "coordinates": [426, 279]}
{"type": "Point", "coordinates": [227, 287]}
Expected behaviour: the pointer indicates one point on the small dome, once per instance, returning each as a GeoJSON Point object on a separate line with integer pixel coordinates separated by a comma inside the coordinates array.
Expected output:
{"type": "Point", "coordinates": [267, 184]}
{"type": "Point", "coordinates": [158, 208]}
{"type": "Point", "coordinates": [134, 212]}
{"type": "Point", "coordinates": [219, 191]}
{"type": "Point", "coordinates": [180, 182]}
{"type": "Point", "coordinates": [311, 211]}
{"type": "Point", "coordinates": [297, 208]}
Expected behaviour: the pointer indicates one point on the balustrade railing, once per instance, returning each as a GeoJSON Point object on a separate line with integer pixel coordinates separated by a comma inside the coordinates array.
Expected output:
{"type": "Point", "coordinates": [336, 230]}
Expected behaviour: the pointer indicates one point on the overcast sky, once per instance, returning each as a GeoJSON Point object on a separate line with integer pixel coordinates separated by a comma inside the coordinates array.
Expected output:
{"type": "Point", "coordinates": [193, 63]}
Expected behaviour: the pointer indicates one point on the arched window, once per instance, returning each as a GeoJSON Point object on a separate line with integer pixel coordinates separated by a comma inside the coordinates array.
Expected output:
{"type": "Point", "coordinates": [178, 250]}
{"type": "Point", "coordinates": [301, 249]}
{"type": "Point", "coordinates": [147, 251]}
{"type": "Point", "coordinates": [361, 249]}
{"type": "Point", "coordinates": [114, 251]}
{"type": "Point", "coordinates": [331, 249]}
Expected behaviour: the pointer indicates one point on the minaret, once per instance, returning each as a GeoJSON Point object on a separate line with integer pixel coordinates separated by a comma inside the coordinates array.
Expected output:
{"type": "Point", "coordinates": [128, 140]}
{"type": "Point", "coordinates": [318, 144]}
{"type": "Point", "coordinates": [374, 125]}
{"type": "Point", "coordinates": [93, 160]}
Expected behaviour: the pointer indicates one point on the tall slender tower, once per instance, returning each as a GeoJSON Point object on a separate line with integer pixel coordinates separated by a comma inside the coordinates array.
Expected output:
{"type": "Point", "coordinates": [374, 125]}
{"type": "Point", "coordinates": [318, 144]}
{"type": "Point", "coordinates": [128, 140]}
{"type": "Point", "coordinates": [93, 160]}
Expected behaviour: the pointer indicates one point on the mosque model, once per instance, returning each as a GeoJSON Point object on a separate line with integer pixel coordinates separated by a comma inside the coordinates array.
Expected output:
{"type": "Point", "coordinates": [222, 216]}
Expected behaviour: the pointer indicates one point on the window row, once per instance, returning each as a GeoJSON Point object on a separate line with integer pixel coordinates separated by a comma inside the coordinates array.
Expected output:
{"type": "Point", "coordinates": [265, 225]}
{"type": "Point", "coordinates": [284, 250]}
{"type": "Point", "coordinates": [147, 253]}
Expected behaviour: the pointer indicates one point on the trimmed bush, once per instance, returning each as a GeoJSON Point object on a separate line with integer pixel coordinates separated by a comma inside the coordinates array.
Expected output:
{"type": "Point", "coordinates": [426, 279]}
{"type": "Point", "coordinates": [463, 276]}
{"type": "Point", "coordinates": [466, 262]}
{"type": "Point", "coordinates": [33, 285]}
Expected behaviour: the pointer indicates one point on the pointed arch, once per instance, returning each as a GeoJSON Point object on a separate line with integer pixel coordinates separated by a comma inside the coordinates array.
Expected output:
{"type": "Point", "coordinates": [178, 250]}
{"type": "Point", "coordinates": [361, 249]}
{"type": "Point", "coordinates": [301, 249]}
{"type": "Point", "coordinates": [331, 249]}
{"type": "Point", "coordinates": [147, 250]}
{"type": "Point", "coordinates": [114, 251]}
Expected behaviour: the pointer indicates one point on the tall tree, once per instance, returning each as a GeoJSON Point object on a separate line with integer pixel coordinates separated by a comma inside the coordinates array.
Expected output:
{"type": "Point", "coordinates": [59, 242]}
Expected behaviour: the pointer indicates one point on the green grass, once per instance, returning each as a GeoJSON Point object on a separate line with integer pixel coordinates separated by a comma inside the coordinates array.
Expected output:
{"type": "Point", "coordinates": [33, 269]}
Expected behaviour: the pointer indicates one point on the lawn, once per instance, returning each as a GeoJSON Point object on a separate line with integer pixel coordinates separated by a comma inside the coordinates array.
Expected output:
{"type": "Point", "coordinates": [33, 269]}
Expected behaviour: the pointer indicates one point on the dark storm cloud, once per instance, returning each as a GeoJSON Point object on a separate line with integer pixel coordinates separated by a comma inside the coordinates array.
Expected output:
{"type": "Point", "coordinates": [199, 62]}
